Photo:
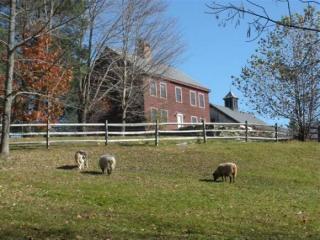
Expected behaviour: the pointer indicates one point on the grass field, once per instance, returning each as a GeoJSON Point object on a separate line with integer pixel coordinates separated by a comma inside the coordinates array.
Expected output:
{"type": "Point", "coordinates": [163, 193]}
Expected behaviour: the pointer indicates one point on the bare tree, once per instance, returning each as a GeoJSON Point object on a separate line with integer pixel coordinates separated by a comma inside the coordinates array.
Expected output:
{"type": "Point", "coordinates": [24, 13]}
{"type": "Point", "coordinates": [146, 45]}
{"type": "Point", "coordinates": [9, 80]}
{"type": "Point", "coordinates": [259, 19]}
{"type": "Point", "coordinates": [99, 29]}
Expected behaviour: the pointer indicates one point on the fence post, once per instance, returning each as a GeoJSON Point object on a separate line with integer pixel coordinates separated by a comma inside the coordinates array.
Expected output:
{"type": "Point", "coordinates": [106, 134]}
{"type": "Point", "coordinates": [48, 134]}
{"type": "Point", "coordinates": [276, 131]}
{"type": "Point", "coordinates": [156, 134]}
{"type": "Point", "coordinates": [319, 133]}
{"type": "Point", "coordinates": [246, 130]}
{"type": "Point", "coordinates": [204, 131]}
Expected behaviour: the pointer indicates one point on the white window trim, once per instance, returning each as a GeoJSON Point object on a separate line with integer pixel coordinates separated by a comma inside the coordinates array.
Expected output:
{"type": "Point", "coordinates": [204, 101]}
{"type": "Point", "coordinates": [175, 91]}
{"type": "Point", "coordinates": [165, 84]}
{"type": "Point", "coordinates": [151, 108]}
{"type": "Point", "coordinates": [195, 97]}
{"type": "Point", "coordinates": [150, 88]}
{"type": "Point", "coordinates": [195, 118]}
{"type": "Point", "coordinates": [166, 112]}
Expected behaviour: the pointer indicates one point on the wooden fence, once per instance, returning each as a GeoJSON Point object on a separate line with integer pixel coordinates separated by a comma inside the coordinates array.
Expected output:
{"type": "Point", "coordinates": [315, 133]}
{"type": "Point", "coordinates": [54, 133]}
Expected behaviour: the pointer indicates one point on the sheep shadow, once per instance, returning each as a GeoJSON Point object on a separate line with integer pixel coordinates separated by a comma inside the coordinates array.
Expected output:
{"type": "Point", "coordinates": [209, 180]}
{"type": "Point", "coordinates": [67, 167]}
{"type": "Point", "coordinates": [92, 172]}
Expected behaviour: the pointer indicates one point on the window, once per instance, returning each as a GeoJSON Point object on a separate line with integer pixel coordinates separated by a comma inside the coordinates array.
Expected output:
{"type": "Point", "coordinates": [201, 100]}
{"type": "Point", "coordinates": [179, 94]}
{"type": "Point", "coordinates": [153, 88]}
{"type": "Point", "coordinates": [163, 90]}
{"type": "Point", "coordinates": [154, 114]}
{"type": "Point", "coordinates": [163, 115]}
{"type": "Point", "coordinates": [193, 100]}
{"type": "Point", "coordinates": [194, 119]}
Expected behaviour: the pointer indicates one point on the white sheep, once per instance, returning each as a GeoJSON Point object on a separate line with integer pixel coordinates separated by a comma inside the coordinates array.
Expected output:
{"type": "Point", "coordinates": [225, 170]}
{"type": "Point", "coordinates": [108, 162]}
{"type": "Point", "coordinates": [81, 159]}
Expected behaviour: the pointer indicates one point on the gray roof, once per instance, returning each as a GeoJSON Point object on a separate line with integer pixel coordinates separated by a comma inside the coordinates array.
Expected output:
{"type": "Point", "coordinates": [168, 72]}
{"type": "Point", "coordinates": [175, 74]}
{"type": "Point", "coordinates": [230, 95]}
{"type": "Point", "coordinates": [162, 70]}
{"type": "Point", "coordinates": [240, 117]}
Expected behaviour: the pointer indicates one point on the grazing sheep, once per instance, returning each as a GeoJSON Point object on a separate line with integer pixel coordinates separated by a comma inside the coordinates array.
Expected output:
{"type": "Point", "coordinates": [108, 162]}
{"type": "Point", "coordinates": [81, 158]}
{"type": "Point", "coordinates": [225, 170]}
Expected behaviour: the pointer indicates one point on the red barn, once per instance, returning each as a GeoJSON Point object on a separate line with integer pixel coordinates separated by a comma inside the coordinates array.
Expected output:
{"type": "Point", "coordinates": [175, 97]}
{"type": "Point", "coordinates": [159, 92]}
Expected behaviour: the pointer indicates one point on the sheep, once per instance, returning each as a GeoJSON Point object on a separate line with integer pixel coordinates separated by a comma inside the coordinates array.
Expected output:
{"type": "Point", "coordinates": [108, 162]}
{"type": "Point", "coordinates": [225, 170]}
{"type": "Point", "coordinates": [81, 159]}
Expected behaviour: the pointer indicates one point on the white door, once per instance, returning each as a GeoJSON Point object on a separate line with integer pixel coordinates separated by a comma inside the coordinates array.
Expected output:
{"type": "Point", "coordinates": [179, 120]}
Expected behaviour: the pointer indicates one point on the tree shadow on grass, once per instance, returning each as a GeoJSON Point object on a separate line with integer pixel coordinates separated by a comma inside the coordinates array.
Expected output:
{"type": "Point", "coordinates": [92, 172]}
{"type": "Point", "coordinates": [37, 233]}
{"type": "Point", "coordinates": [135, 144]}
{"type": "Point", "coordinates": [25, 147]}
{"type": "Point", "coordinates": [67, 167]}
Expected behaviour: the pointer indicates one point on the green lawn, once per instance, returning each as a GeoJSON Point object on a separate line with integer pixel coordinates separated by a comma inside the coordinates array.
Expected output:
{"type": "Point", "coordinates": [163, 192]}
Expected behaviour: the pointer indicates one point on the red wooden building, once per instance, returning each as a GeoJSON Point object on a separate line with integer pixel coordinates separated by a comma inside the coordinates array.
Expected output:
{"type": "Point", "coordinates": [161, 93]}
{"type": "Point", "coordinates": [175, 97]}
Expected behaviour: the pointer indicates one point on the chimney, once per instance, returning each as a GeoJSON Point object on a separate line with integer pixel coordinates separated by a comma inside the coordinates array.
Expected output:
{"type": "Point", "coordinates": [144, 50]}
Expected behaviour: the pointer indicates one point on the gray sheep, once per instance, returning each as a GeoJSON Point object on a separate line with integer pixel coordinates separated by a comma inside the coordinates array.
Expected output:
{"type": "Point", "coordinates": [225, 170]}
{"type": "Point", "coordinates": [107, 162]}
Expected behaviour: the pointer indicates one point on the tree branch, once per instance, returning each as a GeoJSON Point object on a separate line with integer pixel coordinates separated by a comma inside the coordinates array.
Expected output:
{"type": "Point", "coordinates": [218, 8]}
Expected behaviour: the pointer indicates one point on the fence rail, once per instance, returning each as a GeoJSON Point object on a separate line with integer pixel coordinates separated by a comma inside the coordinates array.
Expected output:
{"type": "Point", "coordinates": [54, 133]}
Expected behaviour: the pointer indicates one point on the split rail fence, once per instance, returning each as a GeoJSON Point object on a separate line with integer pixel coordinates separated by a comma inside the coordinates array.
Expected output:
{"type": "Point", "coordinates": [55, 133]}
{"type": "Point", "coordinates": [315, 132]}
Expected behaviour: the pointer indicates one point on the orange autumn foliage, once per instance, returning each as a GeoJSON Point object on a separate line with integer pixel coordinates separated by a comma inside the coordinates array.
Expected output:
{"type": "Point", "coordinates": [42, 74]}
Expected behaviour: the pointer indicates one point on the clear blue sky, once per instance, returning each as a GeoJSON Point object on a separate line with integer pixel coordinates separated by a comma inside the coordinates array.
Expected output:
{"type": "Point", "coordinates": [213, 54]}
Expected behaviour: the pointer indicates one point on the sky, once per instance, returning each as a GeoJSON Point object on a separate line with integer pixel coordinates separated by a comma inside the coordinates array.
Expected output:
{"type": "Point", "coordinates": [214, 53]}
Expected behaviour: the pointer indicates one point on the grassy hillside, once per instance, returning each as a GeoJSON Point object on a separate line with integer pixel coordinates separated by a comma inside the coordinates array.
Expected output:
{"type": "Point", "coordinates": [163, 193]}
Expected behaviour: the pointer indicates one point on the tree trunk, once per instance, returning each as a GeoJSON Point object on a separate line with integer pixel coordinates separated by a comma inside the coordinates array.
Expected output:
{"type": "Point", "coordinates": [85, 88]}
{"type": "Point", "coordinates": [85, 82]}
{"type": "Point", "coordinates": [9, 82]}
{"type": "Point", "coordinates": [83, 101]}
{"type": "Point", "coordinates": [83, 104]}
{"type": "Point", "coordinates": [124, 119]}
{"type": "Point", "coordinates": [302, 134]}
{"type": "Point", "coordinates": [82, 118]}
{"type": "Point", "coordinates": [124, 97]}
